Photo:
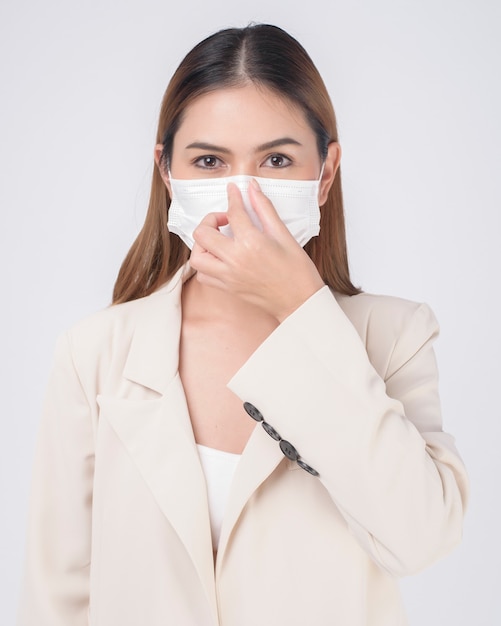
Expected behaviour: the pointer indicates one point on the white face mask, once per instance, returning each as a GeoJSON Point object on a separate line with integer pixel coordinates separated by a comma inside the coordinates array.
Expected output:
{"type": "Point", "coordinates": [296, 202]}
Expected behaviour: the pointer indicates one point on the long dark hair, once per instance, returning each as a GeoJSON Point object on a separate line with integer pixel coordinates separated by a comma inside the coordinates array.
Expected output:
{"type": "Point", "coordinates": [267, 56]}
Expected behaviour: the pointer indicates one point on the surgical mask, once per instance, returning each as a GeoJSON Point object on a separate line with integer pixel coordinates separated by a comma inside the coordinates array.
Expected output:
{"type": "Point", "coordinates": [296, 202]}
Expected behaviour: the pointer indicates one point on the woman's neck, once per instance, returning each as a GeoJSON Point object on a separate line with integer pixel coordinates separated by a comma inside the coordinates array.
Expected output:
{"type": "Point", "coordinates": [206, 303]}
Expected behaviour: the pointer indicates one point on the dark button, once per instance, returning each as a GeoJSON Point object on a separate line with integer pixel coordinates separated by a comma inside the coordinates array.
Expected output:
{"type": "Point", "coordinates": [271, 431]}
{"type": "Point", "coordinates": [307, 468]}
{"type": "Point", "coordinates": [289, 450]}
{"type": "Point", "coordinates": [253, 412]}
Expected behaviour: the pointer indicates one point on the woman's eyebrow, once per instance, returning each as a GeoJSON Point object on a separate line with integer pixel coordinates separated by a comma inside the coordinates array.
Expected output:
{"type": "Point", "coordinates": [202, 145]}
{"type": "Point", "coordinates": [283, 141]}
{"type": "Point", "coordinates": [269, 145]}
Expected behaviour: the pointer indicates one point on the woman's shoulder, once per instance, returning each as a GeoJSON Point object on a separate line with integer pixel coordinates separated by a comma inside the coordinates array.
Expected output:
{"type": "Point", "coordinates": [115, 314]}
{"type": "Point", "coordinates": [365, 309]}
{"type": "Point", "coordinates": [117, 323]}
{"type": "Point", "coordinates": [390, 327]}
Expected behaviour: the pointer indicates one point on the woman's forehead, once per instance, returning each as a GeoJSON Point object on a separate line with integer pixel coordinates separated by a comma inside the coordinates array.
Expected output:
{"type": "Point", "coordinates": [250, 112]}
{"type": "Point", "coordinates": [243, 105]}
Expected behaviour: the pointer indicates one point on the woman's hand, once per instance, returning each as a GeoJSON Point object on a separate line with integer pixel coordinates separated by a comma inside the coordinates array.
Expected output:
{"type": "Point", "coordinates": [268, 269]}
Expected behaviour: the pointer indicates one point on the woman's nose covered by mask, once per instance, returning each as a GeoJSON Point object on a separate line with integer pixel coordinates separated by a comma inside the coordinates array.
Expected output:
{"type": "Point", "coordinates": [296, 202]}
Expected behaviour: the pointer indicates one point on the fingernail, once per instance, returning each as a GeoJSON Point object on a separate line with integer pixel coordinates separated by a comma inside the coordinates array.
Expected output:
{"type": "Point", "coordinates": [255, 184]}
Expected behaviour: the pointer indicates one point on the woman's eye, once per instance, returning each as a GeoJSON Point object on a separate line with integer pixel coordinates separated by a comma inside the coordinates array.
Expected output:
{"type": "Point", "coordinates": [207, 162]}
{"type": "Point", "coordinates": [277, 160]}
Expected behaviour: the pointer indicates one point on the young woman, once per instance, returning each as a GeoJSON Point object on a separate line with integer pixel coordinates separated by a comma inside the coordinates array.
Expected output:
{"type": "Point", "coordinates": [243, 437]}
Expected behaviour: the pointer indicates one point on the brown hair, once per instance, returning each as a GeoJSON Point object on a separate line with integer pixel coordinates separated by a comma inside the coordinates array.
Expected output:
{"type": "Point", "coordinates": [267, 56]}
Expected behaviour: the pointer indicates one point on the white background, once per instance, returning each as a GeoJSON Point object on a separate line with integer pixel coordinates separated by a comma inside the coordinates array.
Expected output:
{"type": "Point", "coordinates": [416, 87]}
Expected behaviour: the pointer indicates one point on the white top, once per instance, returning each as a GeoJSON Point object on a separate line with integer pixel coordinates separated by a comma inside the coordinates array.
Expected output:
{"type": "Point", "coordinates": [219, 468]}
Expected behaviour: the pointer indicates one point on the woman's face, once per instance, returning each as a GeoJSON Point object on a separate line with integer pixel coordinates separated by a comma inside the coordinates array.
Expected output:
{"type": "Point", "coordinates": [244, 130]}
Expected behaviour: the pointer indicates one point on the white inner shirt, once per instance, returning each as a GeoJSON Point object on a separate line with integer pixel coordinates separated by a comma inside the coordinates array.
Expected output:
{"type": "Point", "coordinates": [219, 468]}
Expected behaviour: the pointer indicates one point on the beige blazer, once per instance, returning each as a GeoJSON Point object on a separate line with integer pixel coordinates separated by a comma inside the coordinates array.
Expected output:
{"type": "Point", "coordinates": [119, 529]}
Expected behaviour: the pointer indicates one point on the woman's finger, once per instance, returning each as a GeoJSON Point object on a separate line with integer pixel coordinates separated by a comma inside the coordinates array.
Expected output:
{"type": "Point", "coordinates": [215, 220]}
{"type": "Point", "coordinates": [266, 212]}
{"type": "Point", "coordinates": [206, 262]}
{"type": "Point", "coordinates": [208, 237]}
{"type": "Point", "coordinates": [238, 218]}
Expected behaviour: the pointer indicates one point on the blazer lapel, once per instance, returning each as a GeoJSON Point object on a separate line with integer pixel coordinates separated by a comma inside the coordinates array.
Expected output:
{"type": "Point", "coordinates": [259, 459]}
{"type": "Point", "coordinates": [153, 356]}
{"type": "Point", "coordinates": [153, 423]}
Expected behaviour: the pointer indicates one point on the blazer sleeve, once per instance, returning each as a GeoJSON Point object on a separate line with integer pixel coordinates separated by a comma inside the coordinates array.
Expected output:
{"type": "Point", "coordinates": [377, 444]}
{"type": "Point", "coordinates": [55, 588]}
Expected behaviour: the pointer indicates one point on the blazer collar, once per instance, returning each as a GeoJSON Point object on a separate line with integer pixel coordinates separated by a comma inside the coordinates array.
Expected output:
{"type": "Point", "coordinates": [153, 357]}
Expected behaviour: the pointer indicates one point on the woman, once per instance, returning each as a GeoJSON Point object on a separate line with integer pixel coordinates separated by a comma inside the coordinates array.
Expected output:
{"type": "Point", "coordinates": [243, 438]}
